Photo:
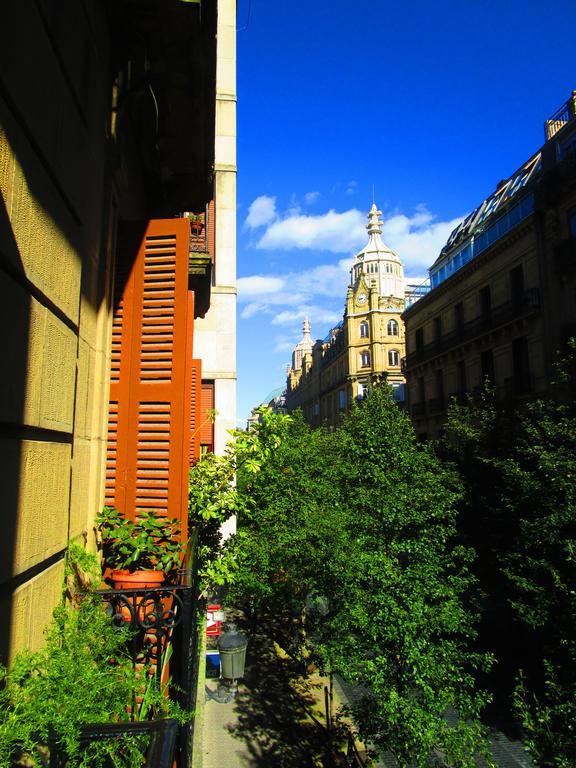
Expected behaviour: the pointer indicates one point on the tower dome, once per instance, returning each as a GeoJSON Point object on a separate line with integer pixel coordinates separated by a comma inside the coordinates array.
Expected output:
{"type": "Point", "coordinates": [304, 346]}
{"type": "Point", "coordinates": [378, 263]}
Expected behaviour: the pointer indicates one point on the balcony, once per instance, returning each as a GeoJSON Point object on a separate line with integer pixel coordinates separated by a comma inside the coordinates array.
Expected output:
{"type": "Point", "coordinates": [526, 303]}
{"type": "Point", "coordinates": [561, 117]}
{"type": "Point", "coordinates": [162, 738]}
{"type": "Point", "coordinates": [160, 617]}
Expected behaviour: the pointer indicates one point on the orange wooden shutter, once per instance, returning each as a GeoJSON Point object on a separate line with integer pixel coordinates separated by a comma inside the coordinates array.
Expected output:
{"type": "Point", "coordinates": [196, 384]}
{"type": "Point", "coordinates": [211, 229]}
{"type": "Point", "coordinates": [149, 429]}
{"type": "Point", "coordinates": [206, 423]}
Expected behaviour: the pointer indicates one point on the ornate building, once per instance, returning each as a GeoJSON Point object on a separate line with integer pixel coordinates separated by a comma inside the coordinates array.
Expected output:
{"type": "Point", "coordinates": [366, 346]}
{"type": "Point", "coordinates": [503, 288]}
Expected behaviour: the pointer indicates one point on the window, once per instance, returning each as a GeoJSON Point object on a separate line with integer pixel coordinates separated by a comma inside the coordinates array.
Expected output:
{"type": "Point", "coordinates": [365, 359]}
{"type": "Point", "coordinates": [437, 328]}
{"type": "Point", "coordinates": [517, 286]}
{"type": "Point", "coordinates": [364, 330]}
{"type": "Point", "coordinates": [393, 357]}
{"type": "Point", "coordinates": [341, 399]}
{"type": "Point", "coordinates": [440, 384]}
{"type": "Point", "coordinates": [421, 389]}
{"type": "Point", "coordinates": [461, 376]}
{"type": "Point", "coordinates": [521, 365]}
{"type": "Point", "coordinates": [459, 317]}
{"type": "Point", "coordinates": [419, 339]}
{"type": "Point", "coordinates": [487, 366]}
{"type": "Point", "coordinates": [398, 394]}
{"type": "Point", "coordinates": [393, 328]}
{"type": "Point", "coordinates": [485, 305]}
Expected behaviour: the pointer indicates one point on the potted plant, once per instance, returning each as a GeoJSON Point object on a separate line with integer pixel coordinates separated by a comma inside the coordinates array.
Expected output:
{"type": "Point", "coordinates": [197, 224]}
{"type": "Point", "coordinates": [140, 553]}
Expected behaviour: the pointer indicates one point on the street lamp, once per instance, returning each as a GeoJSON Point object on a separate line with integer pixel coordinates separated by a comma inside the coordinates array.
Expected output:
{"type": "Point", "coordinates": [232, 646]}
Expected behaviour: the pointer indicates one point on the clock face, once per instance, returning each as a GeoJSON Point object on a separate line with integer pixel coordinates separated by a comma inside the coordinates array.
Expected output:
{"type": "Point", "coordinates": [361, 298]}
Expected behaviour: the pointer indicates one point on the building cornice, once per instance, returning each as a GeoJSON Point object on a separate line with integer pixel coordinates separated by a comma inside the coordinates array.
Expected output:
{"type": "Point", "coordinates": [448, 285]}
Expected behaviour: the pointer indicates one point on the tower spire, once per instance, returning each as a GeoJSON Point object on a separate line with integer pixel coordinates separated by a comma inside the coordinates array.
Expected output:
{"type": "Point", "coordinates": [374, 224]}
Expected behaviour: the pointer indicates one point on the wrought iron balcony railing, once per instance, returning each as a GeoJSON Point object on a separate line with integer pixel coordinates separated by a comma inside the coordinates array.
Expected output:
{"type": "Point", "coordinates": [159, 617]}
{"type": "Point", "coordinates": [561, 117]}
{"type": "Point", "coordinates": [161, 735]}
{"type": "Point", "coordinates": [528, 301]}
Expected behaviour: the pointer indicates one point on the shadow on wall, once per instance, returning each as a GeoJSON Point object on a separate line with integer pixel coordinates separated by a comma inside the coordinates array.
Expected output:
{"type": "Point", "coordinates": [15, 321]}
{"type": "Point", "coordinates": [52, 201]}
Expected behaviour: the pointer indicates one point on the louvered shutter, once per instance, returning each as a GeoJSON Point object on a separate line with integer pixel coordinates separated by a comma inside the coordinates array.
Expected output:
{"type": "Point", "coordinates": [149, 427]}
{"type": "Point", "coordinates": [206, 423]}
{"type": "Point", "coordinates": [211, 229]}
{"type": "Point", "coordinates": [196, 384]}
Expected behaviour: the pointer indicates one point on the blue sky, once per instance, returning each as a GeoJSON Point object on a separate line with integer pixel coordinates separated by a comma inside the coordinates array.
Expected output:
{"type": "Point", "coordinates": [432, 103]}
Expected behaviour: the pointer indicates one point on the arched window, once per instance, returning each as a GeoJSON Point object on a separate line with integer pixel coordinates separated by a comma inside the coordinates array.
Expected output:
{"type": "Point", "coordinates": [365, 359]}
{"type": "Point", "coordinates": [392, 328]}
{"type": "Point", "coordinates": [364, 330]}
{"type": "Point", "coordinates": [393, 357]}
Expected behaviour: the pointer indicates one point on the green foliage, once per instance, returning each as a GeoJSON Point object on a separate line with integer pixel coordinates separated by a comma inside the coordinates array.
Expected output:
{"type": "Point", "coordinates": [213, 498]}
{"type": "Point", "coordinates": [519, 469]}
{"type": "Point", "coordinates": [151, 542]}
{"type": "Point", "coordinates": [83, 675]}
{"type": "Point", "coordinates": [364, 518]}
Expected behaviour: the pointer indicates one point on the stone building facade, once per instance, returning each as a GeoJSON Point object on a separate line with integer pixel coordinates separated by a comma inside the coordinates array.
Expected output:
{"type": "Point", "coordinates": [503, 289]}
{"type": "Point", "coordinates": [107, 142]}
{"type": "Point", "coordinates": [367, 346]}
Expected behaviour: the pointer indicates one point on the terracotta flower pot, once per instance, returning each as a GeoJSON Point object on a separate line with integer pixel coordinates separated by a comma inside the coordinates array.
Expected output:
{"type": "Point", "coordinates": [137, 579]}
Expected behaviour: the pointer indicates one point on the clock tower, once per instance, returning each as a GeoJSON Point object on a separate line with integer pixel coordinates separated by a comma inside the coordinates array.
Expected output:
{"type": "Point", "coordinates": [365, 347]}
{"type": "Point", "coordinates": [374, 306]}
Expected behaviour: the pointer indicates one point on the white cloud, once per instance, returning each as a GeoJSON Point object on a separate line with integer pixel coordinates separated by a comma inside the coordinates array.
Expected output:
{"type": "Point", "coordinates": [320, 291]}
{"type": "Point", "coordinates": [332, 231]}
{"type": "Point", "coordinates": [311, 197]}
{"type": "Point", "coordinates": [252, 309]}
{"type": "Point", "coordinates": [257, 285]}
{"type": "Point", "coordinates": [351, 187]}
{"type": "Point", "coordinates": [314, 313]}
{"type": "Point", "coordinates": [262, 211]}
{"type": "Point", "coordinates": [417, 239]}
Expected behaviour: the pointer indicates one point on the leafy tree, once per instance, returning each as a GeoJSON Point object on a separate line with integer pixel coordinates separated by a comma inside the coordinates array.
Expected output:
{"type": "Point", "coordinates": [82, 675]}
{"type": "Point", "coordinates": [213, 498]}
{"type": "Point", "coordinates": [289, 523]}
{"type": "Point", "coordinates": [519, 468]}
{"type": "Point", "coordinates": [364, 518]}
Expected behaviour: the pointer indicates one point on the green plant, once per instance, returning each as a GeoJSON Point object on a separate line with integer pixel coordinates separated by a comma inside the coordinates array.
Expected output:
{"type": "Point", "coordinates": [365, 517]}
{"type": "Point", "coordinates": [83, 675]}
{"type": "Point", "coordinates": [151, 542]}
{"type": "Point", "coordinates": [213, 497]}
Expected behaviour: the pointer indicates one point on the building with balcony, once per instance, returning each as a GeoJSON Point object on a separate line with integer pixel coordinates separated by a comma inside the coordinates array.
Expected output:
{"type": "Point", "coordinates": [117, 184]}
{"type": "Point", "coordinates": [365, 347]}
{"type": "Point", "coordinates": [502, 297]}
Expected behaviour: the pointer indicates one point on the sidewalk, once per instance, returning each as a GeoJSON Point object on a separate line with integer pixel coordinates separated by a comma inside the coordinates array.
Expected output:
{"type": "Point", "coordinates": [276, 721]}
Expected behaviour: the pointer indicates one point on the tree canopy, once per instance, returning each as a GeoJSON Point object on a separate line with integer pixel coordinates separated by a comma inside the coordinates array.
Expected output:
{"type": "Point", "coordinates": [361, 523]}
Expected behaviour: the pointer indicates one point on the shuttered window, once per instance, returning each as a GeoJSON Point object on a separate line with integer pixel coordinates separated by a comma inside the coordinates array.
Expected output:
{"type": "Point", "coordinates": [206, 421]}
{"type": "Point", "coordinates": [152, 372]}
